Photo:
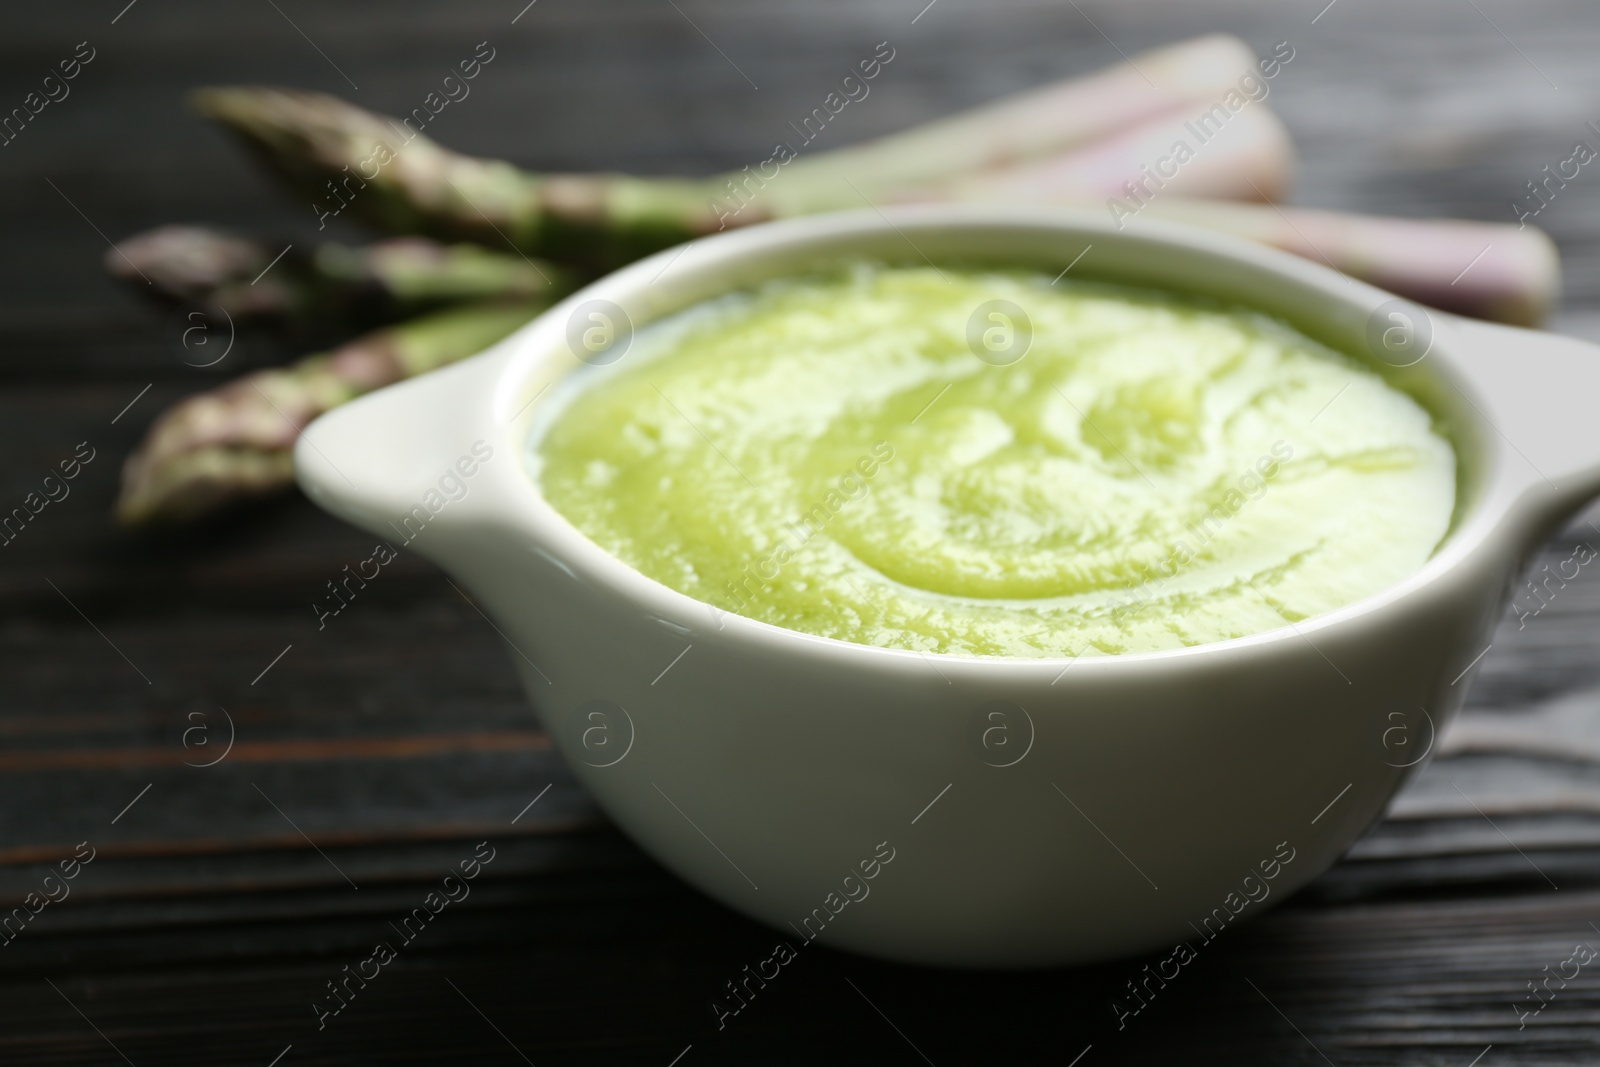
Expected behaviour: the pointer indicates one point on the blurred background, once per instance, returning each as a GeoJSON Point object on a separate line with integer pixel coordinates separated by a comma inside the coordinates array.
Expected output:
{"type": "Point", "coordinates": [168, 701]}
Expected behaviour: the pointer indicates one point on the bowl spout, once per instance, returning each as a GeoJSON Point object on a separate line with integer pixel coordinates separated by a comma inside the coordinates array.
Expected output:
{"type": "Point", "coordinates": [1536, 391]}
{"type": "Point", "coordinates": [413, 462]}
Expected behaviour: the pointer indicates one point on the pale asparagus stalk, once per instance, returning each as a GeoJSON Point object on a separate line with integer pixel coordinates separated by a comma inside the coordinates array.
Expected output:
{"type": "Point", "coordinates": [1042, 122]}
{"type": "Point", "coordinates": [1248, 157]}
{"type": "Point", "coordinates": [1483, 269]}
{"type": "Point", "coordinates": [235, 442]}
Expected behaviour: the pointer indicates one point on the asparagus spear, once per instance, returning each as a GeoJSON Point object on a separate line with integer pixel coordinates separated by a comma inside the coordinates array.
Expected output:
{"type": "Point", "coordinates": [391, 175]}
{"type": "Point", "coordinates": [332, 284]}
{"type": "Point", "coordinates": [235, 442]}
{"type": "Point", "coordinates": [339, 155]}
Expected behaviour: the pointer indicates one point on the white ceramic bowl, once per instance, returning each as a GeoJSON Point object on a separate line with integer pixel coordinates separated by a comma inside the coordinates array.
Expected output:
{"type": "Point", "coordinates": [1032, 812]}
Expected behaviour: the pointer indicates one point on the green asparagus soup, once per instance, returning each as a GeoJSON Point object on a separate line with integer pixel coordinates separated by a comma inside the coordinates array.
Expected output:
{"type": "Point", "coordinates": [996, 463]}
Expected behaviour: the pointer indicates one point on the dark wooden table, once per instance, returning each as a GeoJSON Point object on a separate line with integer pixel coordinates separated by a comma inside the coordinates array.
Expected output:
{"type": "Point", "coordinates": [378, 752]}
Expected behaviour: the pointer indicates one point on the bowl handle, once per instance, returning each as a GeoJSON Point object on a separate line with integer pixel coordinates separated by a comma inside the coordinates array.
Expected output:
{"type": "Point", "coordinates": [1537, 390]}
{"type": "Point", "coordinates": [411, 456]}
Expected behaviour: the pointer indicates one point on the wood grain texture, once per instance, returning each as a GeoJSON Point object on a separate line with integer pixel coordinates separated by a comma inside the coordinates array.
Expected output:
{"type": "Point", "coordinates": [378, 751]}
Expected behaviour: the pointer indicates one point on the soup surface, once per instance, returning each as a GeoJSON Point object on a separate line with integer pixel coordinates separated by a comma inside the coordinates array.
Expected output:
{"type": "Point", "coordinates": [996, 464]}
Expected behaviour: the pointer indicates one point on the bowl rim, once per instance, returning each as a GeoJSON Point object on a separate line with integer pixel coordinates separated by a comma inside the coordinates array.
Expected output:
{"type": "Point", "coordinates": [534, 348]}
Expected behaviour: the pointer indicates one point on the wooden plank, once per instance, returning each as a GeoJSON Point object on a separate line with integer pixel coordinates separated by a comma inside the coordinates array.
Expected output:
{"type": "Point", "coordinates": [398, 737]}
{"type": "Point", "coordinates": [1419, 982]}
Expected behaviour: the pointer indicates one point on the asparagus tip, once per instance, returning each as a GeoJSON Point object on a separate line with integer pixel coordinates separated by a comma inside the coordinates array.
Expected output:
{"type": "Point", "coordinates": [184, 261]}
{"type": "Point", "coordinates": [182, 488]}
